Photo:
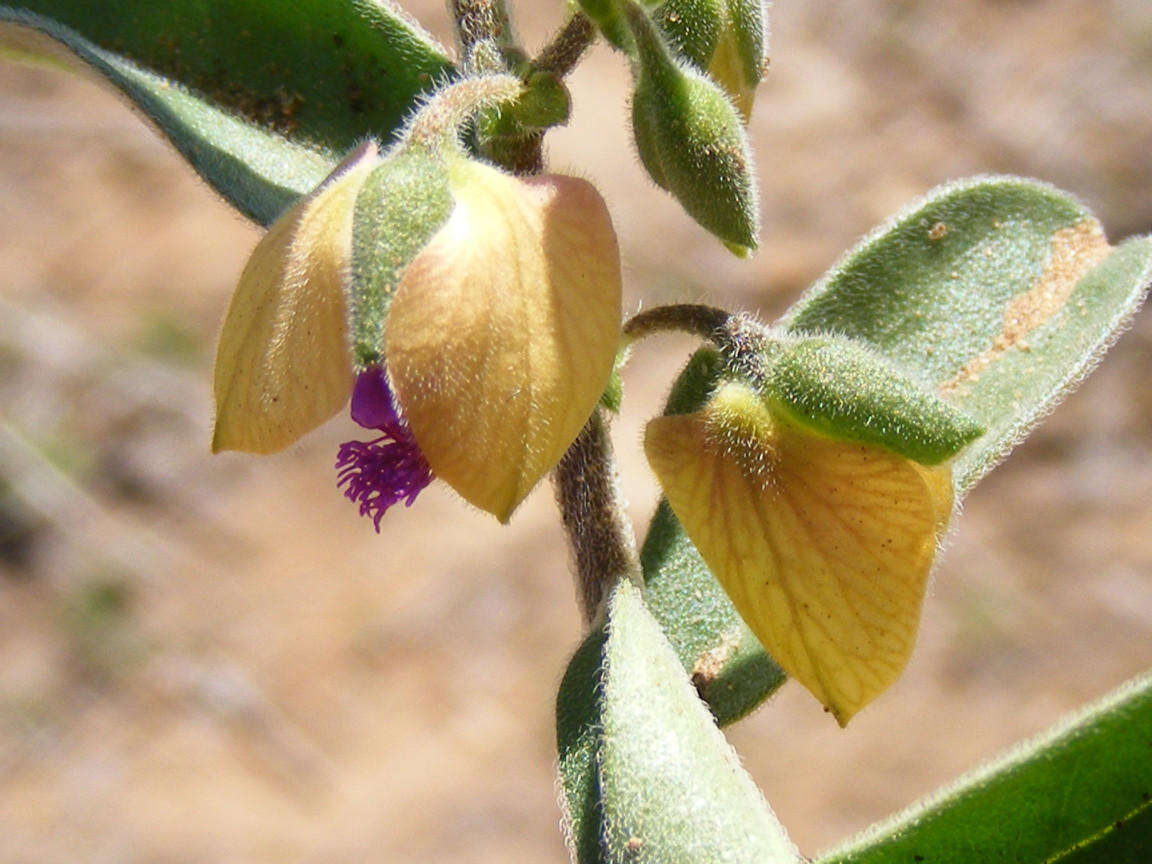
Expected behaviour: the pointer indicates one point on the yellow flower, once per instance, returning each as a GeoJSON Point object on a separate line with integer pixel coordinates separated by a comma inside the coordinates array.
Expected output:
{"type": "Point", "coordinates": [823, 545]}
{"type": "Point", "coordinates": [498, 341]}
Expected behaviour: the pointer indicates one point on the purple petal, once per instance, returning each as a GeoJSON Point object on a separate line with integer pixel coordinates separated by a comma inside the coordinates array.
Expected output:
{"type": "Point", "coordinates": [372, 404]}
{"type": "Point", "coordinates": [383, 472]}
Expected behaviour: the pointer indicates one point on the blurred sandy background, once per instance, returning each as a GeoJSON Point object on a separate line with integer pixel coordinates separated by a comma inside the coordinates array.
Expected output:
{"type": "Point", "coordinates": [212, 659]}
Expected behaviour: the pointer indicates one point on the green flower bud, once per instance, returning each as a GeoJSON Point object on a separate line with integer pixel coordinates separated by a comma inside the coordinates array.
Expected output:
{"type": "Point", "coordinates": [843, 390]}
{"type": "Point", "coordinates": [725, 38]}
{"type": "Point", "coordinates": [691, 140]}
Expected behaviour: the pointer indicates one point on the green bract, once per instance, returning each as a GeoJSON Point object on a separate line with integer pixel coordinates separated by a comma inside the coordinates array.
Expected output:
{"type": "Point", "coordinates": [402, 204]}
{"type": "Point", "coordinates": [847, 391]}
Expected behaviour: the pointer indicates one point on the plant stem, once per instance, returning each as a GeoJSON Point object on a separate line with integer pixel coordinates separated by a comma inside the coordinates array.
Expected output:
{"type": "Point", "coordinates": [480, 21]}
{"type": "Point", "coordinates": [523, 155]}
{"type": "Point", "coordinates": [586, 481]}
{"type": "Point", "coordinates": [704, 321]}
{"type": "Point", "coordinates": [746, 342]}
{"type": "Point", "coordinates": [592, 511]}
{"type": "Point", "coordinates": [561, 55]}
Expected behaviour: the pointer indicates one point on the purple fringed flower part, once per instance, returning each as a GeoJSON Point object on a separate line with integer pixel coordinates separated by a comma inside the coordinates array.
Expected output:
{"type": "Point", "coordinates": [382, 472]}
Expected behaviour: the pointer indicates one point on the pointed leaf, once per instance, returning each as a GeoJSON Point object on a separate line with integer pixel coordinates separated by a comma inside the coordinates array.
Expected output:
{"type": "Point", "coordinates": [1079, 794]}
{"type": "Point", "coordinates": [259, 172]}
{"type": "Point", "coordinates": [325, 73]}
{"type": "Point", "coordinates": [578, 725]}
{"type": "Point", "coordinates": [672, 788]}
{"type": "Point", "coordinates": [1000, 292]}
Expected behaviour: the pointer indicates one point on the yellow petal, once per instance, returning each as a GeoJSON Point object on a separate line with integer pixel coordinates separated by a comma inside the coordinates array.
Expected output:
{"type": "Point", "coordinates": [283, 365]}
{"type": "Point", "coordinates": [727, 70]}
{"type": "Point", "coordinates": [823, 546]}
{"type": "Point", "coordinates": [503, 332]}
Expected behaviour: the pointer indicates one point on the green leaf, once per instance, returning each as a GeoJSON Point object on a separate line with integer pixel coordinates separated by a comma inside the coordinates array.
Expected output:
{"type": "Point", "coordinates": [324, 73]}
{"type": "Point", "coordinates": [998, 291]}
{"type": "Point", "coordinates": [672, 789]}
{"type": "Point", "coordinates": [986, 287]}
{"type": "Point", "coordinates": [647, 776]}
{"type": "Point", "coordinates": [1080, 794]}
{"type": "Point", "coordinates": [259, 172]}
{"type": "Point", "coordinates": [578, 709]}
{"type": "Point", "coordinates": [262, 98]}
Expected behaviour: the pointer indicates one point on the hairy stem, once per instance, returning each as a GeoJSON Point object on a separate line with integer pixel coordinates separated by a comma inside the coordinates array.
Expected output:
{"type": "Point", "coordinates": [561, 55]}
{"type": "Point", "coordinates": [740, 337]}
{"type": "Point", "coordinates": [707, 322]}
{"type": "Point", "coordinates": [586, 482]}
{"type": "Point", "coordinates": [592, 510]}
{"type": "Point", "coordinates": [480, 21]}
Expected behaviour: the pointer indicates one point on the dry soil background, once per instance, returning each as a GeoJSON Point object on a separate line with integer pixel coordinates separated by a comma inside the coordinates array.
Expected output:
{"type": "Point", "coordinates": [212, 659]}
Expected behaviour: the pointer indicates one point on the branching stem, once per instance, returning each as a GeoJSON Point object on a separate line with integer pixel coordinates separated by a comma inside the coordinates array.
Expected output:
{"type": "Point", "coordinates": [561, 55]}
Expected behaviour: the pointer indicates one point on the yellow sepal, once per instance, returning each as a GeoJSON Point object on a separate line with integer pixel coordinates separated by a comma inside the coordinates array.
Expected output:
{"type": "Point", "coordinates": [502, 334]}
{"type": "Point", "coordinates": [823, 546]}
{"type": "Point", "coordinates": [283, 364]}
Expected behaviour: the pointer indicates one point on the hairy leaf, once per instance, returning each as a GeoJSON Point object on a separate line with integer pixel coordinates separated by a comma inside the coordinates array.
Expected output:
{"type": "Point", "coordinates": [261, 96]}
{"type": "Point", "coordinates": [259, 172]}
{"type": "Point", "coordinates": [321, 72]}
{"type": "Point", "coordinates": [1000, 292]}
{"type": "Point", "coordinates": [1080, 794]}
{"type": "Point", "coordinates": [672, 789]}
{"type": "Point", "coordinates": [645, 774]}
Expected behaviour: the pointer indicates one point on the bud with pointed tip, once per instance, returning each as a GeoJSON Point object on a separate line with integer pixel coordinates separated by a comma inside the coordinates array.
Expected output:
{"type": "Point", "coordinates": [690, 138]}
{"type": "Point", "coordinates": [725, 38]}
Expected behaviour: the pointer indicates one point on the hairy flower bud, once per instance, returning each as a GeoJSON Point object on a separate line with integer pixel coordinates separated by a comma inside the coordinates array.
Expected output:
{"type": "Point", "coordinates": [478, 314]}
{"type": "Point", "coordinates": [725, 38]}
{"type": "Point", "coordinates": [691, 140]}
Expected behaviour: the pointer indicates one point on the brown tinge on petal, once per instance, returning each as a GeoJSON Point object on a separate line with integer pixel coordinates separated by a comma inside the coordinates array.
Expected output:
{"type": "Point", "coordinates": [823, 546]}
{"type": "Point", "coordinates": [283, 364]}
{"type": "Point", "coordinates": [503, 332]}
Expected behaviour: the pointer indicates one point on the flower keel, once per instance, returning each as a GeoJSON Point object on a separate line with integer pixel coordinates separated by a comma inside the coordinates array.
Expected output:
{"type": "Point", "coordinates": [380, 473]}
